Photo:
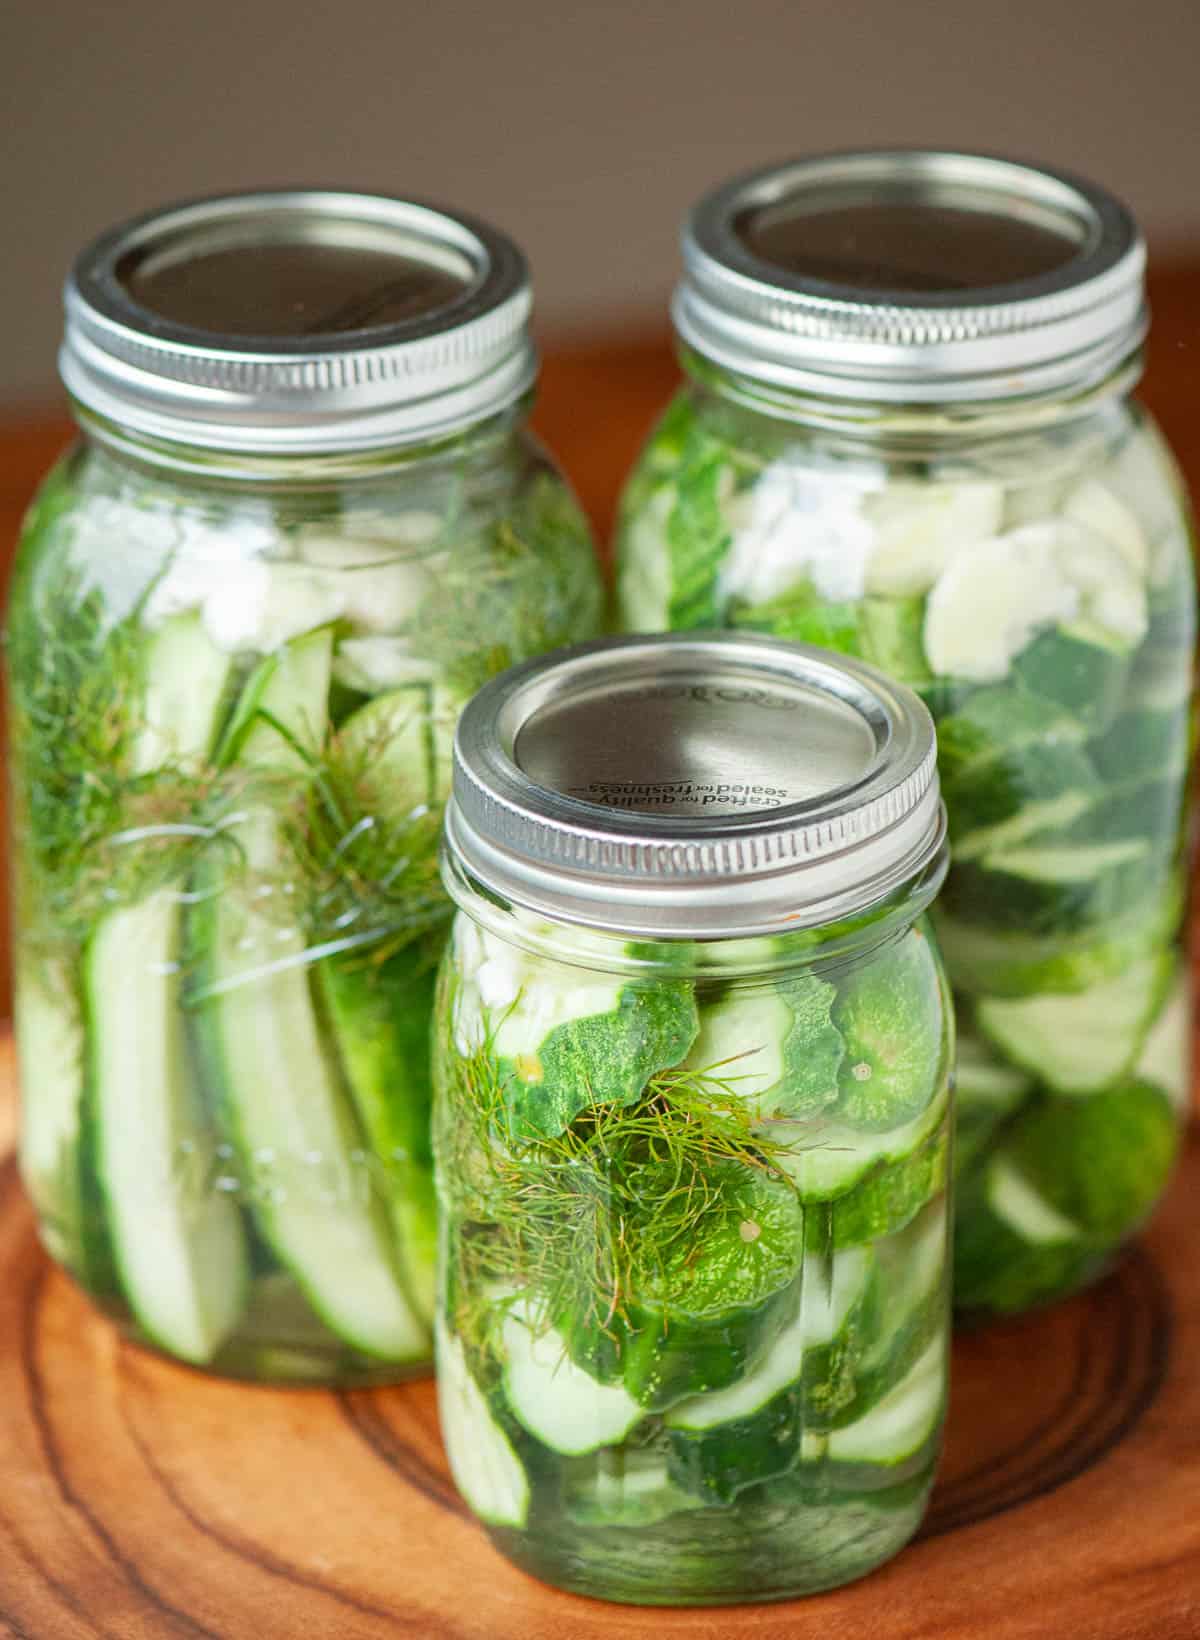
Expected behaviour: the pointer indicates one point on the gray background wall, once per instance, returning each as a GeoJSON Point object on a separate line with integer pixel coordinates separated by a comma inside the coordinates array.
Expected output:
{"type": "Point", "coordinates": [584, 129]}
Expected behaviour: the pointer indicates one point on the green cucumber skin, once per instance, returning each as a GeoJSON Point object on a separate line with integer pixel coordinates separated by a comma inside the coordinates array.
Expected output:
{"type": "Point", "coordinates": [1008, 901]}
{"type": "Point", "coordinates": [664, 1361]}
{"type": "Point", "coordinates": [1089, 681]}
{"type": "Point", "coordinates": [698, 539]}
{"type": "Point", "coordinates": [186, 685]}
{"type": "Point", "coordinates": [1100, 721]}
{"type": "Point", "coordinates": [886, 1200]}
{"type": "Point", "coordinates": [381, 1017]}
{"type": "Point", "coordinates": [195, 1230]}
{"type": "Point", "coordinates": [716, 1463]}
{"type": "Point", "coordinates": [287, 696]}
{"type": "Point", "coordinates": [50, 1019]}
{"type": "Point", "coordinates": [210, 1032]}
{"type": "Point", "coordinates": [98, 1269]}
{"type": "Point", "coordinates": [607, 1058]}
{"type": "Point", "coordinates": [987, 795]}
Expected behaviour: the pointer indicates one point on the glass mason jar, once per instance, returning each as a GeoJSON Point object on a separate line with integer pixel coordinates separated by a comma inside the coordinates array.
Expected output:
{"type": "Point", "coordinates": [304, 522]}
{"type": "Point", "coordinates": [691, 1117]}
{"type": "Point", "coordinates": [908, 435]}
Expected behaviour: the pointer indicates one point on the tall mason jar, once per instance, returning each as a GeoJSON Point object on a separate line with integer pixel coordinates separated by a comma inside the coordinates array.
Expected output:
{"type": "Point", "coordinates": [691, 1118]}
{"type": "Point", "coordinates": [908, 434]}
{"type": "Point", "coordinates": [303, 522]}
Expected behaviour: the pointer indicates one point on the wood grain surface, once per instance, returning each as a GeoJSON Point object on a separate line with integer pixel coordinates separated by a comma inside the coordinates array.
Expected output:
{"type": "Point", "coordinates": [140, 1499]}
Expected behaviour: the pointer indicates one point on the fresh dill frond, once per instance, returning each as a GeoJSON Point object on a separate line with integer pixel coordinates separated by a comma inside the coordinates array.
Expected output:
{"type": "Point", "coordinates": [522, 586]}
{"type": "Point", "coordinates": [589, 1219]}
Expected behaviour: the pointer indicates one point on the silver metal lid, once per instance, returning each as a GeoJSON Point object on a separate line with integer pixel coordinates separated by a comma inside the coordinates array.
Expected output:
{"type": "Point", "coordinates": [694, 786]}
{"type": "Point", "coordinates": [912, 276]}
{"type": "Point", "coordinates": [298, 322]}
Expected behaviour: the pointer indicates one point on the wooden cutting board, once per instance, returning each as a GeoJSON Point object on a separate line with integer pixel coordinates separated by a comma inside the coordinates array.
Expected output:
{"type": "Point", "coordinates": [141, 1499]}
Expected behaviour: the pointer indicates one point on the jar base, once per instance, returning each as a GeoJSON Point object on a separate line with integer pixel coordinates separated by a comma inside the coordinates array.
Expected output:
{"type": "Point", "coordinates": [713, 1557]}
{"type": "Point", "coordinates": [267, 1350]}
{"type": "Point", "coordinates": [281, 1366]}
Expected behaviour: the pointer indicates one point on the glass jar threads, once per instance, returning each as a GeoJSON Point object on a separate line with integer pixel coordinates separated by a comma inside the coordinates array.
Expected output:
{"type": "Point", "coordinates": [304, 522]}
{"type": "Point", "coordinates": [692, 1099]}
{"type": "Point", "coordinates": [908, 435]}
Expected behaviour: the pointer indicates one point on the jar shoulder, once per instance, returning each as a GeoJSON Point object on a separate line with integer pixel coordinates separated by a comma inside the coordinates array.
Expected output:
{"type": "Point", "coordinates": [351, 548]}
{"type": "Point", "coordinates": [729, 510]}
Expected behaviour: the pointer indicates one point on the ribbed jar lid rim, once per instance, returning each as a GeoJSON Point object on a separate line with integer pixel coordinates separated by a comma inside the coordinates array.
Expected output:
{"type": "Point", "coordinates": [1065, 324]}
{"type": "Point", "coordinates": [694, 786]}
{"type": "Point", "coordinates": [460, 353]}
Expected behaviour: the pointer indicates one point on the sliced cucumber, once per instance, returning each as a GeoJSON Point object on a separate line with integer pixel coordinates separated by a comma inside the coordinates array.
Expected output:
{"type": "Point", "coordinates": [988, 1090]}
{"type": "Point", "coordinates": [1149, 814]}
{"type": "Point", "coordinates": [50, 1040]}
{"type": "Point", "coordinates": [1085, 1040]}
{"type": "Point", "coordinates": [746, 1433]}
{"type": "Point", "coordinates": [826, 1158]}
{"type": "Point", "coordinates": [1012, 1248]}
{"type": "Point", "coordinates": [1095, 508]}
{"type": "Point", "coordinates": [390, 743]}
{"type": "Point", "coordinates": [381, 1018]}
{"type": "Point", "coordinates": [984, 1082]}
{"type": "Point", "coordinates": [182, 1262]}
{"type": "Point", "coordinates": [882, 1203]}
{"type": "Point", "coordinates": [185, 678]}
{"type": "Point", "coordinates": [264, 1051]}
{"type": "Point", "coordinates": [1100, 1162]}
{"type": "Point", "coordinates": [178, 1245]}
{"type": "Point", "coordinates": [713, 1301]}
{"type": "Point", "coordinates": [829, 1292]}
{"type": "Point", "coordinates": [1166, 1056]}
{"type": "Point", "coordinates": [486, 1470]}
{"type": "Point", "coordinates": [898, 1429]}
{"type": "Point", "coordinates": [994, 597]}
{"type": "Point", "coordinates": [1080, 667]}
{"type": "Point", "coordinates": [1009, 963]}
{"type": "Point", "coordinates": [995, 723]}
{"type": "Point", "coordinates": [777, 1047]}
{"type": "Point", "coordinates": [50, 1043]}
{"type": "Point", "coordinates": [913, 1280]}
{"type": "Point", "coordinates": [381, 1013]}
{"type": "Point", "coordinates": [1162, 676]}
{"type": "Point", "coordinates": [1143, 744]}
{"type": "Point", "coordinates": [1032, 821]}
{"type": "Point", "coordinates": [891, 1017]}
{"type": "Point", "coordinates": [1039, 782]}
{"type": "Point", "coordinates": [555, 1399]}
{"type": "Point", "coordinates": [919, 526]}
{"type": "Point", "coordinates": [1052, 887]}
{"type": "Point", "coordinates": [564, 1038]}
{"type": "Point", "coordinates": [644, 567]}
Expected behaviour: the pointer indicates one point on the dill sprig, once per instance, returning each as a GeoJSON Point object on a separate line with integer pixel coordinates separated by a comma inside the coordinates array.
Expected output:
{"type": "Point", "coordinates": [587, 1220]}
{"type": "Point", "coordinates": [94, 831]}
{"type": "Point", "coordinates": [368, 870]}
{"type": "Point", "coordinates": [523, 586]}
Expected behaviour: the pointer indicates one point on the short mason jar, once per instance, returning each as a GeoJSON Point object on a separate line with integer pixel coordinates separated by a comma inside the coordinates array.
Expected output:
{"type": "Point", "coordinates": [305, 520]}
{"type": "Point", "coordinates": [908, 435]}
{"type": "Point", "coordinates": [691, 1112]}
